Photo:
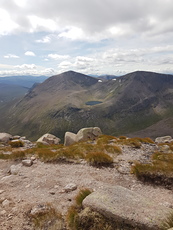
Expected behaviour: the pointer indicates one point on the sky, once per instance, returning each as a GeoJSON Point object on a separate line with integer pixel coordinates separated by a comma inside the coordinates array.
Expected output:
{"type": "Point", "coordinates": [48, 37]}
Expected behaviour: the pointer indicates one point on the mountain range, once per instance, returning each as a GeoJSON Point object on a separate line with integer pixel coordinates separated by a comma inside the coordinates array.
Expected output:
{"type": "Point", "coordinates": [138, 103]}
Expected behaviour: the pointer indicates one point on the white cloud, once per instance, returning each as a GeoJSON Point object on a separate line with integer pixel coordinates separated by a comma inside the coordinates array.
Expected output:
{"type": "Point", "coordinates": [21, 3]}
{"type": "Point", "coordinates": [41, 24]}
{"type": "Point", "coordinates": [65, 65]}
{"type": "Point", "coordinates": [11, 56]}
{"type": "Point", "coordinates": [26, 66]}
{"type": "Point", "coordinates": [45, 39]}
{"type": "Point", "coordinates": [73, 33]}
{"type": "Point", "coordinates": [29, 53]}
{"type": "Point", "coordinates": [101, 36]}
{"type": "Point", "coordinates": [58, 56]}
{"type": "Point", "coordinates": [7, 24]}
{"type": "Point", "coordinates": [48, 71]}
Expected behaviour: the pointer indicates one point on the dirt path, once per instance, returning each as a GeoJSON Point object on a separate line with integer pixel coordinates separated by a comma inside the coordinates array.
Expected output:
{"type": "Point", "coordinates": [44, 183]}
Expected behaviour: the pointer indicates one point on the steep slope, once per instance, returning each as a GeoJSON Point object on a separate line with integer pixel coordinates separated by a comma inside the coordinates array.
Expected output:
{"type": "Point", "coordinates": [70, 101]}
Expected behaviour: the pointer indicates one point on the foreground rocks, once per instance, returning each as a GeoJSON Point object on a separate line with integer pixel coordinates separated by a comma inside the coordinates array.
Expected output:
{"type": "Point", "coordinates": [127, 207]}
{"type": "Point", "coordinates": [84, 134]}
{"type": "Point", "coordinates": [165, 139]}
{"type": "Point", "coordinates": [49, 139]}
{"type": "Point", "coordinates": [5, 137]}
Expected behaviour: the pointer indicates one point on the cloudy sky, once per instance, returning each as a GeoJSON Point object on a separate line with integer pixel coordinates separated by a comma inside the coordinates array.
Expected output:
{"type": "Point", "coordinates": [47, 37]}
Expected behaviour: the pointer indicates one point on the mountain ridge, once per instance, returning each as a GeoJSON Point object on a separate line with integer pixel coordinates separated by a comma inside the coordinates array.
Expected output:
{"type": "Point", "coordinates": [128, 104]}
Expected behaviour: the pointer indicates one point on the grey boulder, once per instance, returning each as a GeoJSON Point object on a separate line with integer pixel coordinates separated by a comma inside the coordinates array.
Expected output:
{"type": "Point", "coordinates": [49, 139]}
{"type": "Point", "coordinates": [5, 137]}
{"type": "Point", "coordinates": [127, 208]}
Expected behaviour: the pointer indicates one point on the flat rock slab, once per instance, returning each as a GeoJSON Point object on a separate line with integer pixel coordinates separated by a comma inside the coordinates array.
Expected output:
{"type": "Point", "coordinates": [127, 207]}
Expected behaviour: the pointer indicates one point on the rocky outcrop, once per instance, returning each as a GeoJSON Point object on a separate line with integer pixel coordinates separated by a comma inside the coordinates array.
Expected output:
{"type": "Point", "coordinates": [5, 137]}
{"type": "Point", "coordinates": [165, 139]}
{"type": "Point", "coordinates": [84, 134]}
{"type": "Point", "coordinates": [90, 133]}
{"type": "Point", "coordinates": [127, 208]}
{"type": "Point", "coordinates": [69, 139]}
{"type": "Point", "coordinates": [49, 139]}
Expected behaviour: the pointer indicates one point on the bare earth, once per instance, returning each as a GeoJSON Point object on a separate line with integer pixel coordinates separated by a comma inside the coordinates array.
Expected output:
{"type": "Point", "coordinates": [44, 183]}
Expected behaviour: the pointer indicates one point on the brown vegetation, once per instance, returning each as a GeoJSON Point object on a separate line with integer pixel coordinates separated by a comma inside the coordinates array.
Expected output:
{"type": "Point", "coordinates": [159, 171]}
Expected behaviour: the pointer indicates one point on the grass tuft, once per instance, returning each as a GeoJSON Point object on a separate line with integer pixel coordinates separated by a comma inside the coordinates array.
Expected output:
{"type": "Point", "coordinates": [106, 139]}
{"type": "Point", "coordinates": [73, 212]}
{"type": "Point", "coordinates": [159, 171]}
{"type": "Point", "coordinates": [113, 149]}
{"type": "Point", "coordinates": [46, 217]}
{"type": "Point", "coordinates": [16, 144]}
{"type": "Point", "coordinates": [168, 222]}
{"type": "Point", "coordinates": [99, 159]}
{"type": "Point", "coordinates": [81, 196]}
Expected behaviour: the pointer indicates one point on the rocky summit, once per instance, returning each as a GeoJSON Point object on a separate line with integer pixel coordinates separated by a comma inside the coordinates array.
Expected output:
{"type": "Point", "coordinates": [92, 182]}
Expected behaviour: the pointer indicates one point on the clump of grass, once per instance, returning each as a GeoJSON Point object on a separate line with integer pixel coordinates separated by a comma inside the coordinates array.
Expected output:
{"type": "Point", "coordinates": [159, 171]}
{"type": "Point", "coordinates": [74, 210]}
{"type": "Point", "coordinates": [167, 144]}
{"type": "Point", "coordinates": [78, 151]}
{"type": "Point", "coordinates": [106, 139]}
{"type": "Point", "coordinates": [16, 144]}
{"type": "Point", "coordinates": [147, 140]}
{"type": "Point", "coordinates": [133, 142]}
{"type": "Point", "coordinates": [4, 156]}
{"type": "Point", "coordinates": [46, 154]}
{"type": "Point", "coordinates": [15, 155]}
{"type": "Point", "coordinates": [168, 222]}
{"type": "Point", "coordinates": [81, 196]}
{"type": "Point", "coordinates": [99, 159]}
{"type": "Point", "coordinates": [113, 149]}
{"type": "Point", "coordinates": [75, 151]}
{"type": "Point", "coordinates": [46, 217]}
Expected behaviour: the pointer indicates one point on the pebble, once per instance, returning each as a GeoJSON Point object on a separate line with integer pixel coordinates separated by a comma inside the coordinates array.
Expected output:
{"type": "Point", "coordinates": [70, 187]}
{"type": "Point", "coordinates": [5, 203]}
{"type": "Point", "coordinates": [28, 185]}
{"type": "Point", "coordinates": [14, 169]}
{"type": "Point", "coordinates": [27, 163]}
{"type": "Point", "coordinates": [52, 192]}
{"type": "Point", "coordinates": [1, 191]}
{"type": "Point", "coordinates": [3, 212]}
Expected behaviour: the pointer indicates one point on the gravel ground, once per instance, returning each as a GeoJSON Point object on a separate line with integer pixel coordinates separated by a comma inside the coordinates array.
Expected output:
{"type": "Point", "coordinates": [45, 183]}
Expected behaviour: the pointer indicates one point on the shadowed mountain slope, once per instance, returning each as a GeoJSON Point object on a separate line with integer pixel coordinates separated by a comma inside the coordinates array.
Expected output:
{"type": "Point", "coordinates": [70, 101]}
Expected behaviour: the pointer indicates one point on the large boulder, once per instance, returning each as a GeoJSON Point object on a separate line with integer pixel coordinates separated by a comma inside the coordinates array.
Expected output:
{"type": "Point", "coordinates": [165, 139]}
{"type": "Point", "coordinates": [49, 139]}
{"type": "Point", "coordinates": [90, 133]}
{"type": "Point", "coordinates": [5, 137]}
{"type": "Point", "coordinates": [69, 139]}
{"type": "Point", "coordinates": [127, 208]}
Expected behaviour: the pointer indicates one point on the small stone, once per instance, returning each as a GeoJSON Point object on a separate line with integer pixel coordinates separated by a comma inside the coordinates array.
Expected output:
{"type": "Point", "coordinates": [40, 209]}
{"type": "Point", "coordinates": [6, 203]}
{"type": "Point", "coordinates": [16, 137]}
{"type": "Point", "coordinates": [33, 158]}
{"type": "Point", "coordinates": [3, 212]}
{"type": "Point", "coordinates": [14, 209]}
{"type": "Point", "coordinates": [27, 163]}
{"type": "Point", "coordinates": [28, 185]}
{"type": "Point", "coordinates": [14, 169]}
{"type": "Point", "coordinates": [56, 186]}
{"type": "Point", "coordinates": [52, 192]}
{"type": "Point", "coordinates": [70, 187]}
{"type": "Point", "coordinates": [1, 191]}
